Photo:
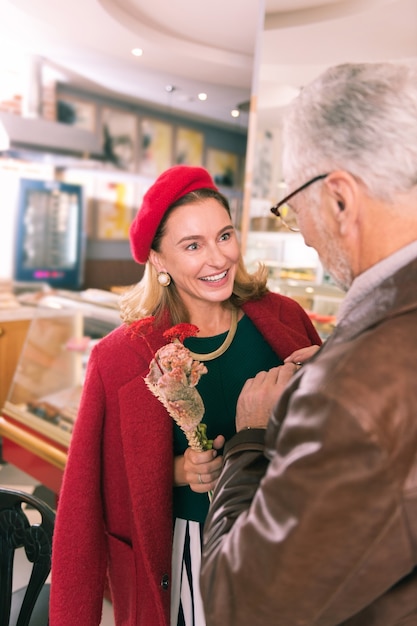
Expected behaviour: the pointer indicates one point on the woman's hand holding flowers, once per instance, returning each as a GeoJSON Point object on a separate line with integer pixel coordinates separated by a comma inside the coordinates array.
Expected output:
{"type": "Point", "coordinates": [202, 469]}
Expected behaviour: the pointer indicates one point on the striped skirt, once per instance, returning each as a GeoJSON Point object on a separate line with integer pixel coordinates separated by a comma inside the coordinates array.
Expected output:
{"type": "Point", "coordinates": [186, 603]}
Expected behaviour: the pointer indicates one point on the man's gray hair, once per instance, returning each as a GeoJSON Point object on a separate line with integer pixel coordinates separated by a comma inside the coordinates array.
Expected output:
{"type": "Point", "coordinates": [361, 118]}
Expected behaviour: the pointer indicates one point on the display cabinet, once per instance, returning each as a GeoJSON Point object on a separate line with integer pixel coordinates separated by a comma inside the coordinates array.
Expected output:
{"type": "Point", "coordinates": [12, 337]}
{"type": "Point", "coordinates": [295, 271]}
{"type": "Point", "coordinates": [41, 408]}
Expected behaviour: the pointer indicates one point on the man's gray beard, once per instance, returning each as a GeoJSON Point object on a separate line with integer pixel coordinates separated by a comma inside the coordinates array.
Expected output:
{"type": "Point", "coordinates": [335, 262]}
{"type": "Point", "coordinates": [341, 281]}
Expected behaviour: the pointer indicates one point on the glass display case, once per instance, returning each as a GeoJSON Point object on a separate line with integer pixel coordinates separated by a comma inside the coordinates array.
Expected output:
{"type": "Point", "coordinates": [40, 412]}
{"type": "Point", "coordinates": [320, 301]}
{"type": "Point", "coordinates": [285, 255]}
{"type": "Point", "coordinates": [295, 271]}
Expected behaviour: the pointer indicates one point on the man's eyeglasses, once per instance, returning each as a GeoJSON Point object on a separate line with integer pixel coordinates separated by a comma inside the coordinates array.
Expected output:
{"type": "Point", "coordinates": [276, 208]}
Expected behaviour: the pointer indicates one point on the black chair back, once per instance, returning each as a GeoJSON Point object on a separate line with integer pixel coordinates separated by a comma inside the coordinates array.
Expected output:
{"type": "Point", "coordinates": [16, 531]}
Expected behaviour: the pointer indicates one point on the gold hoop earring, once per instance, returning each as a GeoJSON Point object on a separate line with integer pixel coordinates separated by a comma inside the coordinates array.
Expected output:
{"type": "Point", "coordinates": [164, 279]}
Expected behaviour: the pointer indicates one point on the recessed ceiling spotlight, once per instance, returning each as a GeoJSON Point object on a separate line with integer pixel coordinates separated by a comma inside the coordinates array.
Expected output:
{"type": "Point", "coordinates": [235, 112]}
{"type": "Point", "coordinates": [137, 52]}
{"type": "Point", "coordinates": [170, 88]}
{"type": "Point", "coordinates": [202, 96]}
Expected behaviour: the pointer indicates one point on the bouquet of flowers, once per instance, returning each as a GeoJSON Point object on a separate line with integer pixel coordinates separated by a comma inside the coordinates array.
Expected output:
{"type": "Point", "coordinates": [172, 378]}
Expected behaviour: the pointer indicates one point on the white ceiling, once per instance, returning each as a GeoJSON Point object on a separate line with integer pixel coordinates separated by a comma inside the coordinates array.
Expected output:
{"type": "Point", "coordinates": [334, 32]}
{"type": "Point", "coordinates": [206, 46]}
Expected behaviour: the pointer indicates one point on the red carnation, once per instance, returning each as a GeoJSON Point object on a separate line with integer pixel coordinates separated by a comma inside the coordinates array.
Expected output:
{"type": "Point", "coordinates": [181, 332]}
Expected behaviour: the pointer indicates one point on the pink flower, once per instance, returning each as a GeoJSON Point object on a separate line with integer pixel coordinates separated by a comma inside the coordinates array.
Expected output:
{"type": "Point", "coordinates": [172, 378]}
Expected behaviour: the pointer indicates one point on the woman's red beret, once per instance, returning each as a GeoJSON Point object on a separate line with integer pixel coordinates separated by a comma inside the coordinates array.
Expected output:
{"type": "Point", "coordinates": [169, 187]}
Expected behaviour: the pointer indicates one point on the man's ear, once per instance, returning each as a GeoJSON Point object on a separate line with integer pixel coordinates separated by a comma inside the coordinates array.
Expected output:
{"type": "Point", "coordinates": [344, 194]}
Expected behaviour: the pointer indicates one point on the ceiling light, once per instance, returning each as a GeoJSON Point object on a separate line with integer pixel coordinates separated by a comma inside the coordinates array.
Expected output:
{"type": "Point", "coordinates": [170, 88]}
{"type": "Point", "coordinates": [202, 96]}
{"type": "Point", "coordinates": [137, 52]}
{"type": "Point", "coordinates": [235, 112]}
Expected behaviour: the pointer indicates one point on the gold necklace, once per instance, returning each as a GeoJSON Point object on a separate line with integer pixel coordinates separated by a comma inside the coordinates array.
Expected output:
{"type": "Point", "coordinates": [226, 343]}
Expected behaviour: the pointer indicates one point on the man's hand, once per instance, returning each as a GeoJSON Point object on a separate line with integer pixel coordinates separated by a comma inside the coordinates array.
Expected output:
{"type": "Point", "coordinates": [299, 357]}
{"type": "Point", "coordinates": [260, 394]}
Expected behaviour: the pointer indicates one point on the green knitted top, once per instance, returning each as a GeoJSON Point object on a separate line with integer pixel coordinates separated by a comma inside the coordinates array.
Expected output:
{"type": "Point", "coordinates": [248, 354]}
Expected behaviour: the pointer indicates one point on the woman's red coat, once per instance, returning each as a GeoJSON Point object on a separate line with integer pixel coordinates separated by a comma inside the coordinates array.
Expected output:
{"type": "Point", "coordinates": [115, 508]}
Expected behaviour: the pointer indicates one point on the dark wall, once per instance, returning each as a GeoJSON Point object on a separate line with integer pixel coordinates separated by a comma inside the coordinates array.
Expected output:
{"type": "Point", "coordinates": [108, 273]}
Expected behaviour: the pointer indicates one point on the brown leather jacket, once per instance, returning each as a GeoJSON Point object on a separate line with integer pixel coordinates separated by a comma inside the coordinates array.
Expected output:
{"type": "Point", "coordinates": [317, 524]}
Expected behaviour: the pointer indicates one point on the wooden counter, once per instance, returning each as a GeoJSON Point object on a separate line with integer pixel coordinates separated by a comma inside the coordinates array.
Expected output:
{"type": "Point", "coordinates": [40, 397]}
{"type": "Point", "coordinates": [14, 324]}
{"type": "Point", "coordinates": [30, 451]}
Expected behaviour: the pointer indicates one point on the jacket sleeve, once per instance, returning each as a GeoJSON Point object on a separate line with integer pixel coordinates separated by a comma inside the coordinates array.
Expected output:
{"type": "Point", "coordinates": [292, 541]}
{"type": "Point", "coordinates": [79, 550]}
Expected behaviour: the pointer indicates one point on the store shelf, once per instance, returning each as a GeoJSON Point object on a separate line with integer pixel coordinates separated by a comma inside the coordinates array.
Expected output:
{"type": "Point", "coordinates": [37, 133]}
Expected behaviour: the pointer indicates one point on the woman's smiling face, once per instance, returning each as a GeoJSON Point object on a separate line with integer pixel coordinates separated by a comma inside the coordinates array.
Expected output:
{"type": "Point", "coordinates": [200, 251]}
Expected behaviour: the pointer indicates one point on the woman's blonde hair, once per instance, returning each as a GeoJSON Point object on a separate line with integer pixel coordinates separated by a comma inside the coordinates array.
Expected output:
{"type": "Point", "coordinates": [148, 297]}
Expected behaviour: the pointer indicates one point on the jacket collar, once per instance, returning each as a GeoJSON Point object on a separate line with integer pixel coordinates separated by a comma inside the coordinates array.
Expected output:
{"type": "Point", "coordinates": [394, 295]}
